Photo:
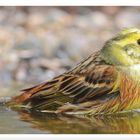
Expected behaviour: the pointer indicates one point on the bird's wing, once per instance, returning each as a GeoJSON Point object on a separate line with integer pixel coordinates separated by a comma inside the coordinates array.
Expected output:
{"type": "Point", "coordinates": [91, 80]}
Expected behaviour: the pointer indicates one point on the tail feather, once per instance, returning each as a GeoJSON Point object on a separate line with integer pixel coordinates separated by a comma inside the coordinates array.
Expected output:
{"type": "Point", "coordinates": [29, 92]}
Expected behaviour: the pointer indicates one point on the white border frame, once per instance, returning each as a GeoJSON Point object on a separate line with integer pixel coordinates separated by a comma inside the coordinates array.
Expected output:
{"type": "Point", "coordinates": [69, 137]}
{"type": "Point", "coordinates": [70, 2]}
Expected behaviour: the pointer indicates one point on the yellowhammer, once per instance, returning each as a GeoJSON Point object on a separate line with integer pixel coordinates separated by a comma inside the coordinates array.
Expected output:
{"type": "Point", "coordinates": [106, 82]}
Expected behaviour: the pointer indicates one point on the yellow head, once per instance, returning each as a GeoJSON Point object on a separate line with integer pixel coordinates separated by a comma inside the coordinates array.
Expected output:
{"type": "Point", "coordinates": [124, 49]}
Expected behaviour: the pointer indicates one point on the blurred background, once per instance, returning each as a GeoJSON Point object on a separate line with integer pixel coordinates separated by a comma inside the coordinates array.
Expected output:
{"type": "Point", "coordinates": [38, 43]}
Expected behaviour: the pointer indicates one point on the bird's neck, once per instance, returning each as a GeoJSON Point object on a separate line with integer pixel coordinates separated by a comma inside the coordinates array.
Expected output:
{"type": "Point", "coordinates": [131, 71]}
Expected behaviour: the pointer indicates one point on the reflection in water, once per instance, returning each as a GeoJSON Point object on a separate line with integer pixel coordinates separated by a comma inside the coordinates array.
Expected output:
{"type": "Point", "coordinates": [121, 123]}
{"type": "Point", "coordinates": [51, 123]}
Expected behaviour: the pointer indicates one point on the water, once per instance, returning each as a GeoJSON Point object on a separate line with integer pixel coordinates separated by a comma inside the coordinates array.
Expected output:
{"type": "Point", "coordinates": [23, 122]}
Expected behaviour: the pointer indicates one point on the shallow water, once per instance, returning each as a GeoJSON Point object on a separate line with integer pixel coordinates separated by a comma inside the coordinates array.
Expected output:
{"type": "Point", "coordinates": [35, 122]}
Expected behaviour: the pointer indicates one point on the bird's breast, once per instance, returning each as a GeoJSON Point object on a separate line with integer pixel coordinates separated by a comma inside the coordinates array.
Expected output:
{"type": "Point", "coordinates": [129, 93]}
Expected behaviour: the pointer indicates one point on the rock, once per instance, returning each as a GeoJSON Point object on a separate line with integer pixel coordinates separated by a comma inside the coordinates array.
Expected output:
{"type": "Point", "coordinates": [39, 43]}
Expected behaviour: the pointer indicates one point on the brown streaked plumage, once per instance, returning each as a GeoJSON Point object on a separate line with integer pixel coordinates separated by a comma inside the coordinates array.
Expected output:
{"type": "Point", "coordinates": [104, 83]}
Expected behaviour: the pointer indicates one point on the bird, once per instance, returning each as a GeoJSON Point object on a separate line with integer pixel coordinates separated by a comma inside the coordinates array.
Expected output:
{"type": "Point", "coordinates": [106, 82]}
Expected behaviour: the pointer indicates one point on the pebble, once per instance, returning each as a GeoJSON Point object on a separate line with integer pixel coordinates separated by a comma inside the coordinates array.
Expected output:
{"type": "Point", "coordinates": [39, 43]}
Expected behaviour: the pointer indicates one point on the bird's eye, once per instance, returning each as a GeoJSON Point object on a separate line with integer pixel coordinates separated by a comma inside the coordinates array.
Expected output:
{"type": "Point", "coordinates": [138, 41]}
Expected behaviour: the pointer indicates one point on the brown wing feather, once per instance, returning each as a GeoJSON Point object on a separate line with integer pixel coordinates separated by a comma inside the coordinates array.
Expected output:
{"type": "Point", "coordinates": [89, 85]}
{"type": "Point", "coordinates": [91, 80]}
